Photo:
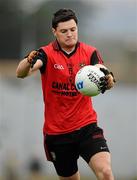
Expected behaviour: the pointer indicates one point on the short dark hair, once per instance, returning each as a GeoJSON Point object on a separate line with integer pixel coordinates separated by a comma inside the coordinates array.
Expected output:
{"type": "Point", "coordinates": [63, 15]}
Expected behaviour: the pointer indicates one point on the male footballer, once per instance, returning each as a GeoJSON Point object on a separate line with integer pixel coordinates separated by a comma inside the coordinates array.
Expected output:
{"type": "Point", "coordinates": [71, 128]}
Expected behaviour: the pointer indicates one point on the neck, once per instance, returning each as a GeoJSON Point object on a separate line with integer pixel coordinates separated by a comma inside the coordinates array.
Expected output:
{"type": "Point", "coordinates": [68, 50]}
{"type": "Point", "coordinates": [64, 48]}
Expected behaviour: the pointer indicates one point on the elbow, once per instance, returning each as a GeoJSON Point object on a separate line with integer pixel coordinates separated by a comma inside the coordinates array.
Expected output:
{"type": "Point", "coordinates": [21, 76]}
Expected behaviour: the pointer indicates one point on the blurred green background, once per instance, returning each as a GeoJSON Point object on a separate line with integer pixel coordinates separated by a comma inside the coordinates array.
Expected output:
{"type": "Point", "coordinates": [109, 25]}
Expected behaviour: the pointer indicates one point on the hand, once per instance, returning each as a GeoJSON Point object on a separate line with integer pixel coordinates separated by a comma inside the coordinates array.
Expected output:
{"type": "Point", "coordinates": [107, 82]}
{"type": "Point", "coordinates": [32, 57]}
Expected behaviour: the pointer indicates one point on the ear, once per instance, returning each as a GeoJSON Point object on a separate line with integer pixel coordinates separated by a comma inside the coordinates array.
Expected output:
{"type": "Point", "coordinates": [54, 31]}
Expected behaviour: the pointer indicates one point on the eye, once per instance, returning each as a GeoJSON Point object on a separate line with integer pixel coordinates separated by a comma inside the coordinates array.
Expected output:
{"type": "Point", "coordinates": [73, 29]}
{"type": "Point", "coordinates": [63, 31]}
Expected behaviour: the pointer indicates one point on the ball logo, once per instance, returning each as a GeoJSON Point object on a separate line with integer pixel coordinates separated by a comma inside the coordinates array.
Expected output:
{"type": "Point", "coordinates": [80, 85]}
{"type": "Point", "coordinates": [93, 78]}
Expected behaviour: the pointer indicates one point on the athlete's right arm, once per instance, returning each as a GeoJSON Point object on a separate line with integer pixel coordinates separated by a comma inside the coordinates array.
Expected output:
{"type": "Point", "coordinates": [29, 65]}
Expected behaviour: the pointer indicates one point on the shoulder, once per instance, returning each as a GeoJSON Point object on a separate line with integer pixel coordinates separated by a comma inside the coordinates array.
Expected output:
{"type": "Point", "coordinates": [46, 47]}
{"type": "Point", "coordinates": [51, 47]}
{"type": "Point", "coordinates": [87, 47]}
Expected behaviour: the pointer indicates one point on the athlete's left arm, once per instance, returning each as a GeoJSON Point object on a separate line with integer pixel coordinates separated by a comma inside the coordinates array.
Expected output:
{"type": "Point", "coordinates": [108, 81]}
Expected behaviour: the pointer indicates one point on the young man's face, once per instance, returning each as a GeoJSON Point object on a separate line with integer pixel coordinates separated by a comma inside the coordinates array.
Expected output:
{"type": "Point", "coordinates": [67, 34]}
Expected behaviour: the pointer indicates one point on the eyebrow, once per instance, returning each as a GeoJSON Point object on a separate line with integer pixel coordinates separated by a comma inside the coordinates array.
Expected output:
{"type": "Point", "coordinates": [68, 28]}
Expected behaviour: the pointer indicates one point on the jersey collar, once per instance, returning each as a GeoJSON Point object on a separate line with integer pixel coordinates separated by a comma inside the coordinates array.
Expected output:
{"type": "Point", "coordinates": [57, 47]}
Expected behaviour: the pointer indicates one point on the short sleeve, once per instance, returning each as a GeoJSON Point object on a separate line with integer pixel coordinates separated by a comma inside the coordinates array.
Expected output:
{"type": "Point", "coordinates": [43, 57]}
{"type": "Point", "coordinates": [96, 58]}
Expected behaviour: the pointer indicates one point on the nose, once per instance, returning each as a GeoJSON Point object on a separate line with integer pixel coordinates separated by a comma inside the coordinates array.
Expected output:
{"type": "Point", "coordinates": [69, 33]}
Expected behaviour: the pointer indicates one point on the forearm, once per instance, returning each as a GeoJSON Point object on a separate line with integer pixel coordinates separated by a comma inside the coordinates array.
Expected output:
{"type": "Point", "coordinates": [23, 69]}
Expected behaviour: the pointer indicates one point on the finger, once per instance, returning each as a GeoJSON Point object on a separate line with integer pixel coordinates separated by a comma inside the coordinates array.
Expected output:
{"type": "Point", "coordinates": [103, 83]}
{"type": "Point", "coordinates": [110, 85]}
{"type": "Point", "coordinates": [110, 81]}
{"type": "Point", "coordinates": [103, 78]}
{"type": "Point", "coordinates": [32, 56]}
{"type": "Point", "coordinates": [33, 53]}
{"type": "Point", "coordinates": [105, 71]}
{"type": "Point", "coordinates": [103, 90]}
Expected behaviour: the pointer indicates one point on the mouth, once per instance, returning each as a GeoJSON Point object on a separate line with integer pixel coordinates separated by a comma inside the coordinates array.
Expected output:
{"type": "Point", "coordinates": [70, 40]}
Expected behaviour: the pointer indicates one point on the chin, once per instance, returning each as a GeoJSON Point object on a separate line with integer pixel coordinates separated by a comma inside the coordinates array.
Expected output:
{"type": "Point", "coordinates": [71, 44]}
{"type": "Point", "coordinates": [71, 41]}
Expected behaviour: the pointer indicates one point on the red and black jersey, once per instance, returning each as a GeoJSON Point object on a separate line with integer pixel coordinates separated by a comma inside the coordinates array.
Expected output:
{"type": "Point", "coordinates": [65, 108]}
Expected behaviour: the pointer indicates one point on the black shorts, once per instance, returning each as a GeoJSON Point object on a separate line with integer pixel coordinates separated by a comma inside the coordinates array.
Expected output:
{"type": "Point", "coordinates": [64, 150]}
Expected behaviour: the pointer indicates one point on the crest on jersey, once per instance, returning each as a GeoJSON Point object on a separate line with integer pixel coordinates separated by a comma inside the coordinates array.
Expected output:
{"type": "Point", "coordinates": [82, 64]}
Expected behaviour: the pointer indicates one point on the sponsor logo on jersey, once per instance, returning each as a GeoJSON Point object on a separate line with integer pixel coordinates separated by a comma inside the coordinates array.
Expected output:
{"type": "Point", "coordinates": [58, 66]}
{"type": "Point", "coordinates": [64, 89]}
{"type": "Point", "coordinates": [63, 86]}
